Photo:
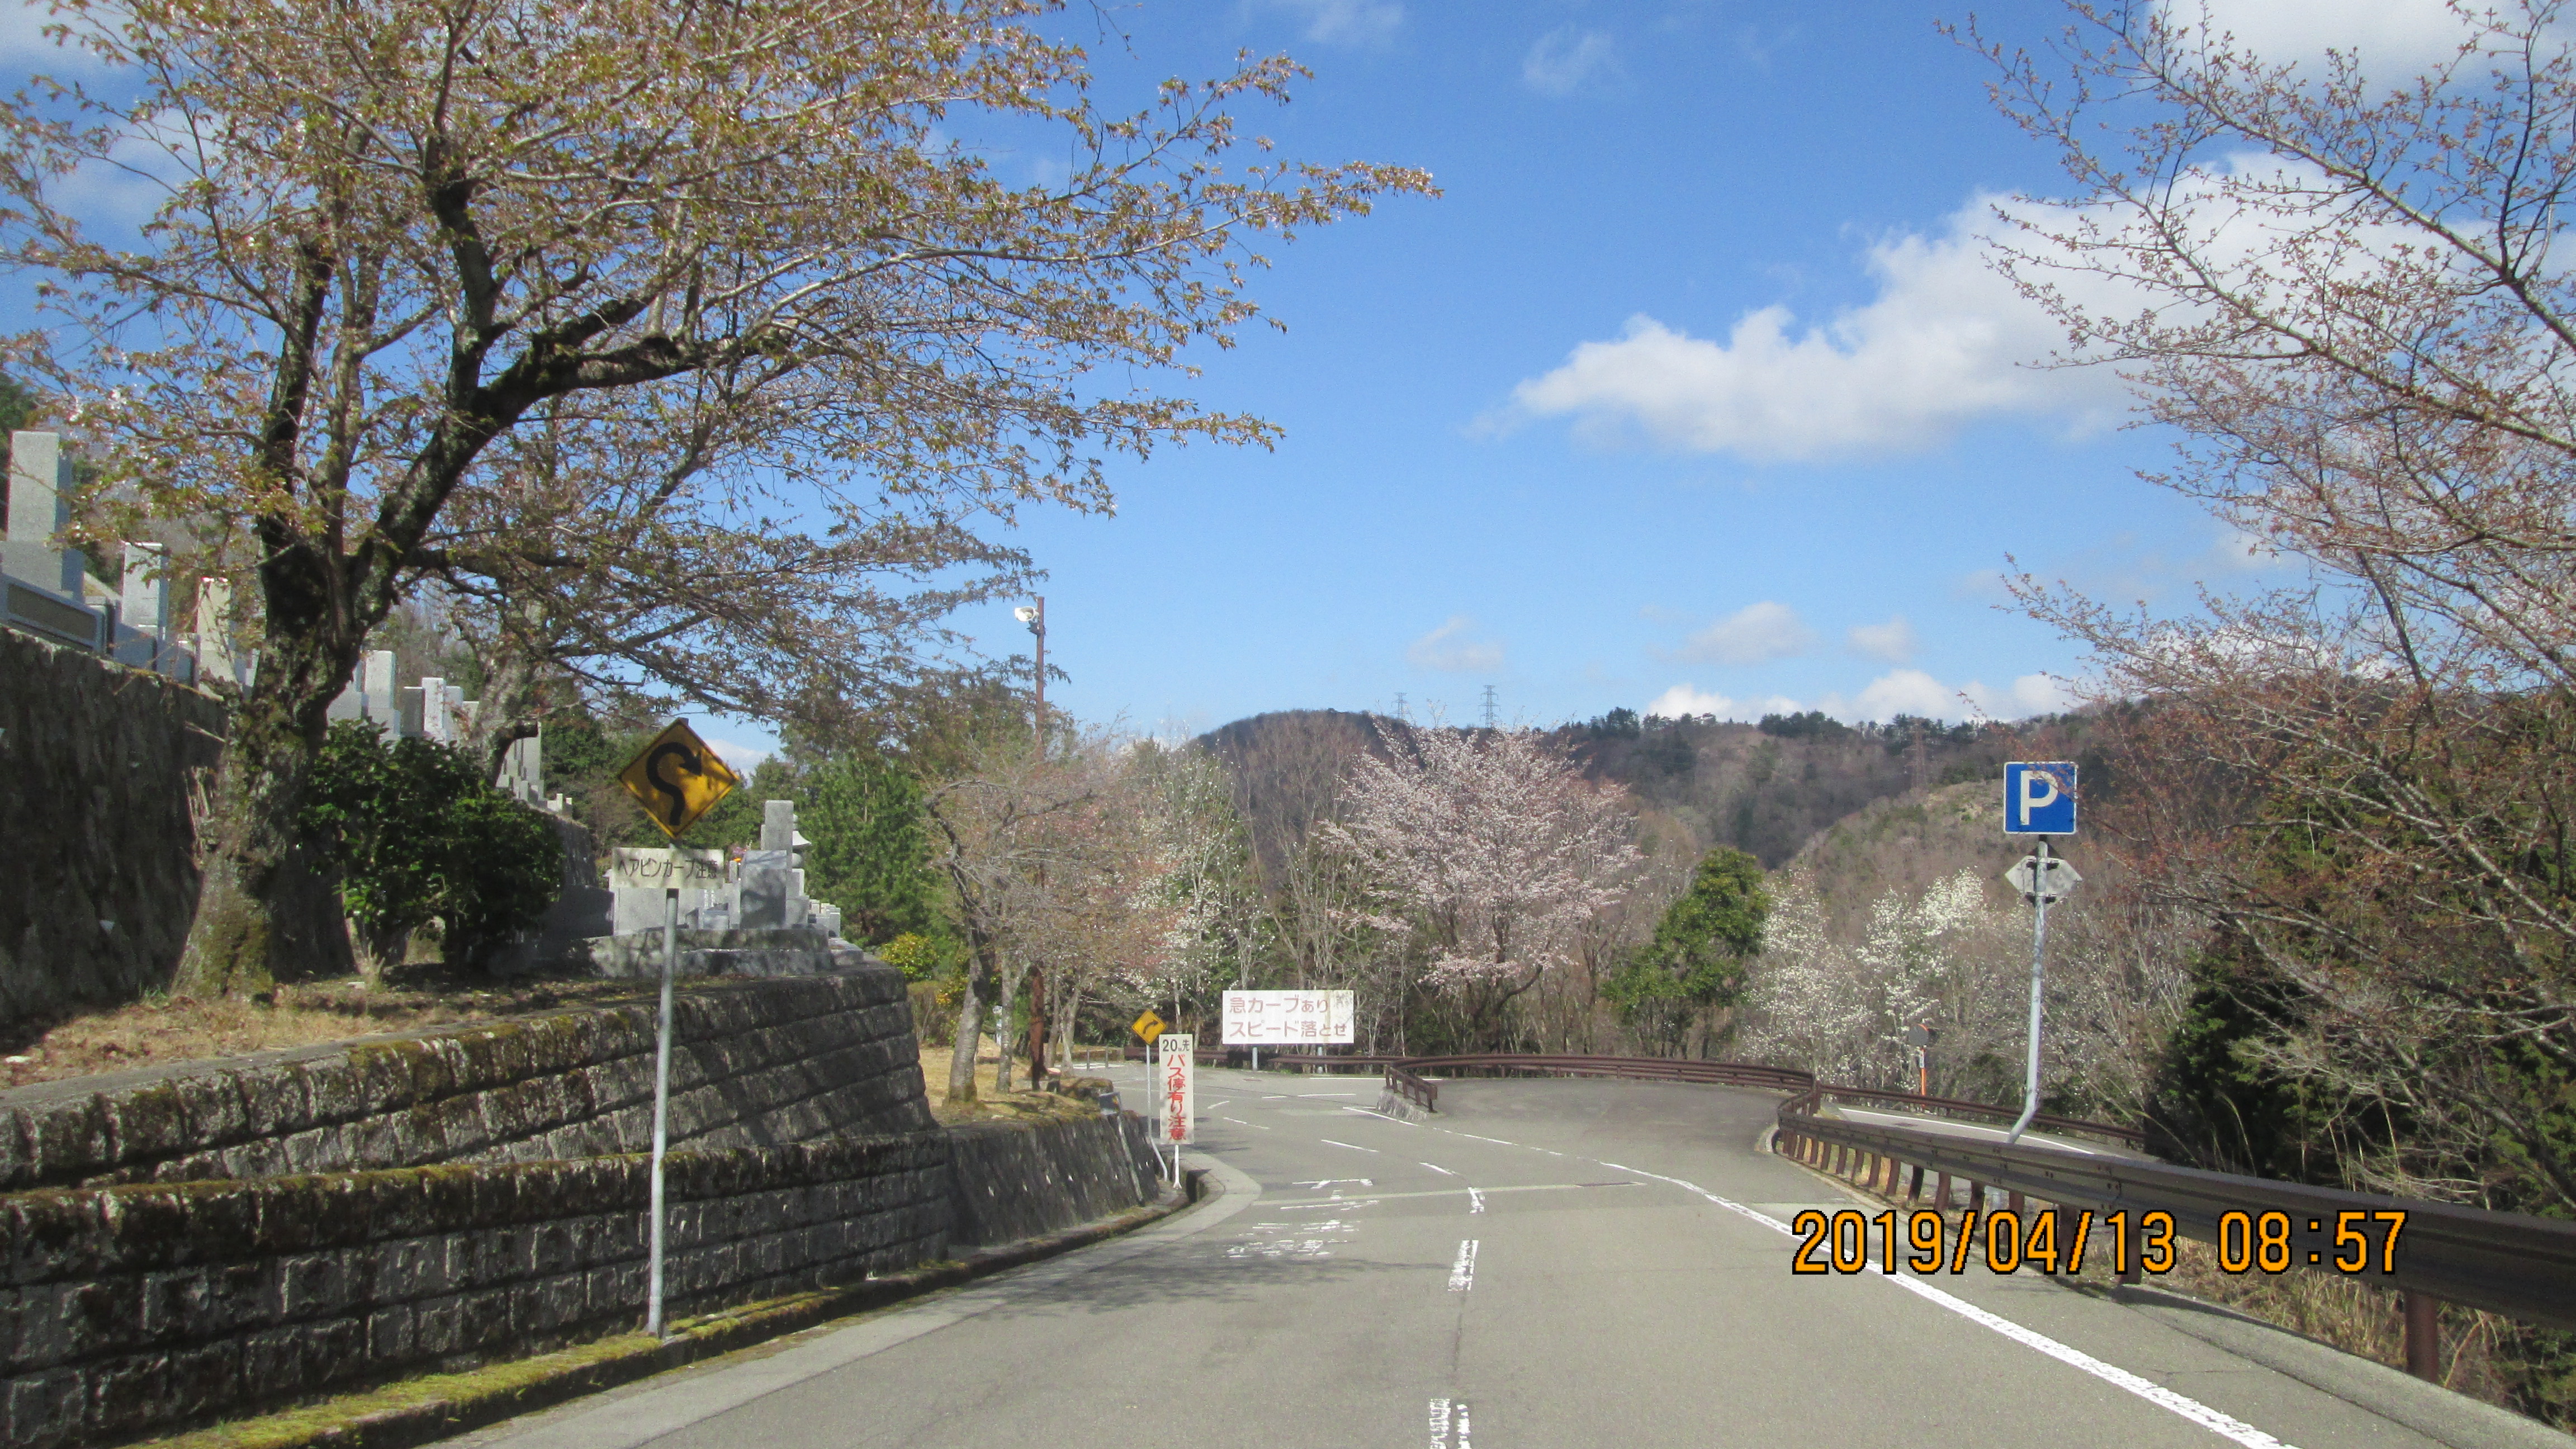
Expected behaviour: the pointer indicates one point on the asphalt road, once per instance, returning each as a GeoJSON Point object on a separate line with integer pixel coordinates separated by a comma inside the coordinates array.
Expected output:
{"type": "Point", "coordinates": [1546, 1264]}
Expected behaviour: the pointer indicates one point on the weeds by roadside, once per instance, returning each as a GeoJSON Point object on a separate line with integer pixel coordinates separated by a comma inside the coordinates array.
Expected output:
{"type": "Point", "coordinates": [161, 1030]}
{"type": "Point", "coordinates": [1015, 1106]}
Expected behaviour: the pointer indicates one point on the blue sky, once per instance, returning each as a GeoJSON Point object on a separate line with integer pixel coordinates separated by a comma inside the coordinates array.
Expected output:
{"type": "Point", "coordinates": [1692, 393]}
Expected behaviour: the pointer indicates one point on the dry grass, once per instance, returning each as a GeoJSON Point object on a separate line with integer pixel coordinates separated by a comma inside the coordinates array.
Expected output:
{"type": "Point", "coordinates": [989, 1104]}
{"type": "Point", "coordinates": [156, 1031]}
{"type": "Point", "coordinates": [2344, 1313]}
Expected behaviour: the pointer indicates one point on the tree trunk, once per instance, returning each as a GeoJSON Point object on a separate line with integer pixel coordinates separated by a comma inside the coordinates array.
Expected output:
{"type": "Point", "coordinates": [970, 1032]}
{"type": "Point", "coordinates": [512, 707]}
{"type": "Point", "coordinates": [234, 940]}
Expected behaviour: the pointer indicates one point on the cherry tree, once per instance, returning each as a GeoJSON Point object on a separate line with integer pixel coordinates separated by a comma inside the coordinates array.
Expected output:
{"type": "Point", "coordinates": [1490, 853]}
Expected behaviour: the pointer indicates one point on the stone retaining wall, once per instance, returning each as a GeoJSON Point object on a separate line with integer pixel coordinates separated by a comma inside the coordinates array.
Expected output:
{"type": "Point", "coordinates": [135, 1309]}
{"type": "Point", "coordinates": [95, 765]}
{"type": "Point", "coordinates": [1018, 1180]}
{"type": "Point", "coordinates": [755, 1063]}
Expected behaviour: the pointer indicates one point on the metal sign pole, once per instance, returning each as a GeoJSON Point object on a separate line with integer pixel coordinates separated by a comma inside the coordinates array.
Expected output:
{"type": "Point", "coordinates": [2040, 883]}
{"type": "Point", "coordinates": [662, 1095]}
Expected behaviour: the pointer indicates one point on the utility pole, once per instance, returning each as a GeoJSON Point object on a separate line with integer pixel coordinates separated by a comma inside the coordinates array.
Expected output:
{"type": "Point", "coordinates": [1035, 618]}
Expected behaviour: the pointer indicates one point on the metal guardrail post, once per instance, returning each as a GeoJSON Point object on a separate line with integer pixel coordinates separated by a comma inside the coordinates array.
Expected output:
{"type": "Point", "coordinates": [2423, 1315]}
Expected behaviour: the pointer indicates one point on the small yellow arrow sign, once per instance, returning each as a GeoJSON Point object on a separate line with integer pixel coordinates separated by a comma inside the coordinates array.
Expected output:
{"type": "Point", "coordinates": [677, 778]}
{"type": "Point", "coordinates": [1148, 1026]}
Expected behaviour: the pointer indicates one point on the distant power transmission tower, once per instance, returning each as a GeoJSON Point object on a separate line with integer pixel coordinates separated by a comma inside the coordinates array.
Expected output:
{"type": "Point", "coordinates": [1399, 704]}
{"type": "Point", "coordinates": [1489, 706]}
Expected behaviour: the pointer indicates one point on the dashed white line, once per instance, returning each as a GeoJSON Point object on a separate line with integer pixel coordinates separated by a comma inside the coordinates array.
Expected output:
{"type": "Point", "coordinates": [1436, 1167]}
{"type": "Point", "coordinates": [1239, 1122]}
{"type": "Point", "coordinates": [1462, 1274]}
{"type": "Point", "coordinates": [1355, 1147]}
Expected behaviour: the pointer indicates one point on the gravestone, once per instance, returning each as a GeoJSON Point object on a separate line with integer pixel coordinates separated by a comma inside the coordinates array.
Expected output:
{"type": "Point", "coordinates": [40, 480]}
{"type": "Point", "coordinates": [767, 884]}
{"type": "Point", "coordinates": [144, 611]}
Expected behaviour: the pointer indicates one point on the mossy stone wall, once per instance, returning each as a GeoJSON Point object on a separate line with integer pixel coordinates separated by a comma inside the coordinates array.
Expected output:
{"type": "Point", "coordinates": [754, 1063]}
{"type": "Point", "coordinates": [136, 1309]}
{"type": "Point", "coordinates": [95, 765]}
{"type": "Point", "coordinates": [1018, 1180]}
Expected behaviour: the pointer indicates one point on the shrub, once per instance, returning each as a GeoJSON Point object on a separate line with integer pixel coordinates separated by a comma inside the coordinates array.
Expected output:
{"type": "Point", "coordinates": [419, 836]}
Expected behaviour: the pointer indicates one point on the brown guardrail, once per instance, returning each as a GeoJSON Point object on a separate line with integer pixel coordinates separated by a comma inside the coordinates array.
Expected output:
{"type": "Point", "coordinates": [2512, 1264]}
{"type": "Point", "coordinates": [1411, 1088]}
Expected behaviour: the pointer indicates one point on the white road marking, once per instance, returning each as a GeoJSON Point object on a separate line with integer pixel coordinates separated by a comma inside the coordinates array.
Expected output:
{"type": "Point", "coordinates": [1475, 1201]}
{"type": "Point", "coordinates": [1336, 1203]}
{"type": "Point", "coordinates": [1239, 1122]}
{"type": "Point", "coordinates": [1436, 1167]}
{"type": "Point", "coordinates": [1294, 1204]}
{"type": "Point", "coordinates": [1355, 1147]}
{"type": "Point", "coordinates": [1448, 1417]}
{"type": "Point", "coordinates": [1381, 1116]}
{"type": "Point", "coordinates": [1324, 1182]}
{"type": "Point", "coordinates": [1462, 1274]}
{"type": "Point", "coordinates": [2225, 1425]}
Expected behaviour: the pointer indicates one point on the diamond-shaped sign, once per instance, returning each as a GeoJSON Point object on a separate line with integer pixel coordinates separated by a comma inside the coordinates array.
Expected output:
{"type": "Point", "coordinates": [677, 778]}
{"type": "Point", "coordinates": [2062, 879]}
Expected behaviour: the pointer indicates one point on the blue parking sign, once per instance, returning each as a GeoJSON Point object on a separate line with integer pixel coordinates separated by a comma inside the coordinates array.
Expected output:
{"type": "Point", "coordinates": [2039, 797]}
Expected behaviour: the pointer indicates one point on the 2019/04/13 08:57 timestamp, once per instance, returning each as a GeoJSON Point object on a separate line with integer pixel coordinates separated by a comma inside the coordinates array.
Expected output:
{"type": "Point", "coordinates": [2247, 1242]}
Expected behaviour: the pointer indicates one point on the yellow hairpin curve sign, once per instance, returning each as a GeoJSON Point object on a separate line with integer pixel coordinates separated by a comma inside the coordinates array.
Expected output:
{"type": "Point", "coordinates": [677, 778]}
{"type": "Point", "coordinates": [1148, 1026]}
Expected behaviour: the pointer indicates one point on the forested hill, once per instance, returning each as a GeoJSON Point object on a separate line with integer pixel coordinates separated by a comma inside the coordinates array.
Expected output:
{"type": "Point", "coordinates": [1765, 788]}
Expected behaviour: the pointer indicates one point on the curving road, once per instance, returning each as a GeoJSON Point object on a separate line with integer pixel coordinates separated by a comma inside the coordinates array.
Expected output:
{"type": "Point", "coordinates": [1547, 1264]}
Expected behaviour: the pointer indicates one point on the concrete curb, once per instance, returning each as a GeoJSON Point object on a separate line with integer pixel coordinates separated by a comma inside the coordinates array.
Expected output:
{"type": "Point", "coordinates": [421, 1410]}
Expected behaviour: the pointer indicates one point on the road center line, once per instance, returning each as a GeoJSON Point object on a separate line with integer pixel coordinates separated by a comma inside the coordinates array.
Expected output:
{"type": "Point", "coordinates": [1355, 1147]}
{"type": "Point", "coordinates": [1462, 1274]}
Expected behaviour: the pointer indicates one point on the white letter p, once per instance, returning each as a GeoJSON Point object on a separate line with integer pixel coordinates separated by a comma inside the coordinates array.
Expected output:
{"type": "Point", "coordinates": [2033, 782]}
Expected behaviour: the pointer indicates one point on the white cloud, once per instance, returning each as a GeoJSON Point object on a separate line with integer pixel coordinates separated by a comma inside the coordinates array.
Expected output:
{"type": "Point", "coordinates": [1892, 641]}
{"type": "Point", "coordinates": [2239, 552]}
{"type": "Point", "coordinates": [1446, 649]}
{"type": "Point", "coordinates": [1355, 22]}
{"type": "Point", "coordinates": [1943, 344]}
{"type": "Point", "coordinates": [1911, 691]}
{"type": "Point", "coordinates": [1564, 59]}
{"type": "Point", "coordinates": [30, 50]}
{"type": "Point", "coordinates": [2030, 694]}
{"type": "Point", "coordinates": [1751, 635]}
{"type": "Point", "coordinates": [743, 758]}
{"type": "Point", "coordinates": [1689, 699]}
{"type": "Point", "coordinates": [2388, 37]}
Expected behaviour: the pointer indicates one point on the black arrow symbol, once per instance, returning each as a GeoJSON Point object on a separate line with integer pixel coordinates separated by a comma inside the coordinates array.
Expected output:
{"type": "Point", "coordinates": [653, 775]}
